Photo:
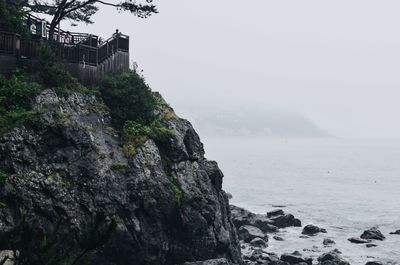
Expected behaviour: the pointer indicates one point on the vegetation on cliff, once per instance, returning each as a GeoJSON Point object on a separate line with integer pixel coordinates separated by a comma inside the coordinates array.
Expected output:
{"type": "Point", "coordinates": [133, 109]}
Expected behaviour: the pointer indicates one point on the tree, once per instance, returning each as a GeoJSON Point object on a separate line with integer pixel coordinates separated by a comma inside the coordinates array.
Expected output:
{"type": "Point", "coordinates": [82, 10]}
{"type": "Point", "coordinates": [12, 18]}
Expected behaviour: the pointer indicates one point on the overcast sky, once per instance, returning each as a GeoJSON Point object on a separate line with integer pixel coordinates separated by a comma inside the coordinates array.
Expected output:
{"type": "Point", "coordinates": [337, 62]}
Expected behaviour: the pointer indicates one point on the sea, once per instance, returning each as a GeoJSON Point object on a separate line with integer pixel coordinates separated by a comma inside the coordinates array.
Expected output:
{"type": "Point", "coordinates": [343, 185]}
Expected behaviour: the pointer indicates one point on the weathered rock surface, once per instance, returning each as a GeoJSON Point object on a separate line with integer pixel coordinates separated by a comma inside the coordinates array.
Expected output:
{"type": "Point", "coordinates": [267, 223]}
{"type": "Point", "coordinates": [286, 220]}
{"type": "Point", "coordinates": [275, 213]}
{"type": "Point", "coordinates": [247, 233]}
{"type": "Point", "coordinates": [295, 258]}
{"type": "Point", "coordinates": [332, 258]}
{"type": "Point", "coordinates": [258, 242]}
{"type": "Point", "coordinates": [373, 233]}
{"type": "Point", "coordinates": [312, 230]}
{"type": "Point", "coordinates": [73, 165]}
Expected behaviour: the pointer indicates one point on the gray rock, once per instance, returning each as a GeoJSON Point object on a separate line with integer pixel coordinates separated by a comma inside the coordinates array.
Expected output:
{"type": "Point", "coordinates": [371, 245]}
{"type": "Point", "coordinates": [278, 238]}
{"type": "Point", "coordinates": [275, 213]}
{"type": "Point", "coordinates": [295, 258]}
{"type": "Point", "coordinates": [328, 242]}
{"type": "Point", "coordinates": [374, 263]}
{"type": "Point", "coordinates": [312, 230]}
{"type": "Point", "coordinates": [247, 233]}
{"type": "Point", "coordinates": [357, 240]}
{"type": "Point", "coordinates": [258, 242]}
{"type": "Point", "coordinates": [332, 258]}
{"type": "Point", "coordinates": [283, 221]}
{"type": "Point", "coordinates": [242, 217]}
{"type": "Point", "coordinates": [66, 170]}
{"type": "Point", "coordinates": [396, 232]}
{"type": "Point", "coordinates": [373, 233]}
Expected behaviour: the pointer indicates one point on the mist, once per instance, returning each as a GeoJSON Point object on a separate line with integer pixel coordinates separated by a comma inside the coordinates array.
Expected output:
{"type": "Point", "coordinates": [336, 63]}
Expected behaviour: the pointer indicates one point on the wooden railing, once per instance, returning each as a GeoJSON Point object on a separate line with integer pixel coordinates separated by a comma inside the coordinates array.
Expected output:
{"type": "Point", "coordinates": [88, 51]}
{"type": "Point", "coordinates": [9, 42]}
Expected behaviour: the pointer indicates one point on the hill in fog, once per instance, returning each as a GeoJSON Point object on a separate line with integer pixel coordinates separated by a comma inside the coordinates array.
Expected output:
{"type": "Point", "coordinates": [253, 122]}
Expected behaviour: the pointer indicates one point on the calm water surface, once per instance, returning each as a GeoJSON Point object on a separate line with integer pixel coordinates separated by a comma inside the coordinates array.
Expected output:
{"type": "Point", "coordinates": [345, 186]}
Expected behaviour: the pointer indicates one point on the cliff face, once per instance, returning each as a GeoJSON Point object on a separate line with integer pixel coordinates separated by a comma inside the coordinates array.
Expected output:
{"type": "Point", "coordinates": [167, 200]}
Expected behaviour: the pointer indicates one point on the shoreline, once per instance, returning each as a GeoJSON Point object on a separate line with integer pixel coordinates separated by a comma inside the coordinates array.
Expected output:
{"type": "Point", "coordinates": [257, 232]}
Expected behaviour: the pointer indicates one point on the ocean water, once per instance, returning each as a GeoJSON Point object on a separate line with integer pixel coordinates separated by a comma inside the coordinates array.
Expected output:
{"type": "Point", "coordinates": [343, 185]}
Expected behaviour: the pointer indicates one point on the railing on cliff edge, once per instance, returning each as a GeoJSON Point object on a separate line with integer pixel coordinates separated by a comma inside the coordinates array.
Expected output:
{"type": "Point", "coordinates": [68, 52]}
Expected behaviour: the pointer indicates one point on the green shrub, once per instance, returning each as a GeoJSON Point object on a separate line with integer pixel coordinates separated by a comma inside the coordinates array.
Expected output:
{"type": "Point", "coordinates": [135, 134]}
{"type": "Point", "coordinates": [176, 189]}
{"type": "Point", "coordinates": [53, 74]}
{"type": "Point", "coordinates": [129, 150]}
{"type": "Point", "coordinates": [15, 99]}
{"type": "Point", "coordinates": [118, 165]}
{"type": "Point", "coordinates": [12, 18]}
{"type": "Point", "coordinates": [129, 98]}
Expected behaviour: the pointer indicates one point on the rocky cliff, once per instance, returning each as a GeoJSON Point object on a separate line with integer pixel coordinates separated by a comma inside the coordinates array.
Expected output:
{"type": "Point", "coordinates": [167, 199]}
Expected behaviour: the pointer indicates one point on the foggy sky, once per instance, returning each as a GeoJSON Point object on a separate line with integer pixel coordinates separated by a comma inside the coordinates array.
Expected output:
{"type": "Point", "coordinates": [337, 62]}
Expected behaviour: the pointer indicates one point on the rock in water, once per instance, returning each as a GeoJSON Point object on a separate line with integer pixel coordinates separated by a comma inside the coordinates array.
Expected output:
{"type": "Point", "coordinates": [167, 198]}
{"type": "Point", "coordinates": [396, 232]}
{"type": "Point", "coordinates": [374, 263]}
{"type": "Point", "coordinates": [371, 245]}
{"type": "Point", "coordinates": [287, 220]}
{"type": "Point", "coordinates": [357, 240]}
{"type": "Point", "coordinates": [328, 242]}
{"type": "Point", "coordinates": [248, 233]}
{"type": "Point", "coordinates": [242, 217]}
{"type": "Point", "coordinates": [275, 213]}
{"type": "Point", "coordinates": [332, 258]}
{"type": "Point", "coordinates": [312, 230]}
{"type": "Point", "coordinates": [295, 259]}
{"type": "Point", "coordinates": [258, 242]}
{"type": "Point", "coordinates": [373, 233]}
{"type": "Point", "coordinates": [278, 238]}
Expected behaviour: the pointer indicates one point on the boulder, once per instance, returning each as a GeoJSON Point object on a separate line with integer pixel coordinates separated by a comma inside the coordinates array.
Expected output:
{"type": "Point", "coordinates": [332, 258]}
{"type": "Point", "coordinates": [258, 242]}
{"type": "Point", "coordinates": [286, 220]}
{"type": "Point", "coordinates": [396, 232]}
{"type": "Point", "coordinates": [328, 242]}
{"type": "Point", "coordinates": [371, 245]}
{"type": "Point", "coordinates": [295, 258]}
{"type": "Point", "coordinates": [264, 224]}
{"type": "Point", "coordinates": [312, 230]}
{"type": "Point", "coordinates": [275, 213]}
{"type": "Point", "coordinates": [373, 233]}
{"type": "Point", "coordinates": [242, 217]}
{"type": "Point", "coordinates": [357, 240]}
{"type": "Point", "coordinates": [247, 233]}
{"type": "Point", "coordinates": [278, 238]}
